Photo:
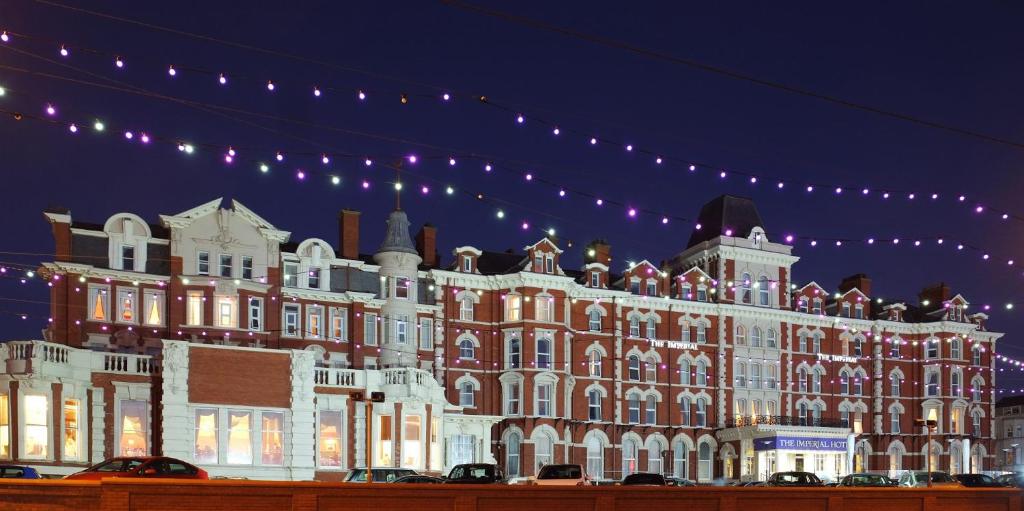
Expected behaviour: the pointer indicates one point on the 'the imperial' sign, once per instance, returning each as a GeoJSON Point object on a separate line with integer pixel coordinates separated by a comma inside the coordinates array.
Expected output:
{"type": "Point", "coordinates": [837, 358]}
{"type": "Point", "coordinates": [800, 444]}
{"type": "Point", "coordinates": [677, 345]}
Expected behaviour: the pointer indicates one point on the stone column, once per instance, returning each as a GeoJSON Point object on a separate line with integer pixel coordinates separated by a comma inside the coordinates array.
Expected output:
{"type": "Point", "coordinates": [176, 421]}
{"type": "Point", "coordinates": [302, 442]}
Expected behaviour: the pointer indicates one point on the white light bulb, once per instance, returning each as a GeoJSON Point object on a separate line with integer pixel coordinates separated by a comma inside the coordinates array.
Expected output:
{"type": "Point", "coordinates": [118, 62]}
{"type": "Point", "coordinates": [3, 91]}
{"type": "Point", "coordinates": [368, 162]}
{"type": "Point", "coordinates": [98, 125]}
{"type": "Point", "coordinates": [335, 180]}
{"type": "Point", "coordinates": [398, 186]}
{"type": "Point", "coordinates": [264, 168]}
{"type": "Point", "coordinates": [270, 85]}
{"type": "Point", "coordinates": [279, 156]}
{"type": "Point", "coordinates": [63, 51]}
{"type": "Point", "coordinates": [222, 79]}
{"type": "Point", "coordinates": [450, 190]}
{"type": "Point", "coordinates": [316, 91]}
{"type": "Point", "coordinates": [171, 71]}
{"type": "Point", "coordinates": [325, 159]}
{"type": "Point", "coordinates": [4, 37]}
{"type": "Point", "coordinates": [362, 95]}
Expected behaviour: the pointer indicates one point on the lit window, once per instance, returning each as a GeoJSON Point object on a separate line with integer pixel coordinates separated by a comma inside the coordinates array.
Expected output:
{"type": "Point", "coordinates": [426, 334]}
{"type": "Point", "coordinates": [255, 314]}
{"type": "Point", "coordinates": [247, 267]}
{"type": "Point", "coordinates": [126, 303]}
{"type": "Point", "coordinates": [99, 303]}
{"type": "Point", "coordinates": [461, 449]}
{"type": "Point", "coordinates": [466, 394]}
{"type": "Point", "coordinates": [545, 309]}
{"type": "Point", "coordinates": [194, 308]}
{"type": "Point", "coordinates": [314, 321]}
{"type": "Point", "coordinates": [72, 430]}
{"type": "Point", "coordinates": [313, 278]}
{"type": "Point", "coordinates": [206, 436]}
{"type": "Point", "coordinates": [227, 261]}
{"type": "Point", "coordinates": [544, 356]}
{"type": "Point", "coordinates": [37, 427]}
{"type": "Point", "coordinates": [291, 275]}
{"type": "Point", "coordinates": [435, 443]}
{"type": "Point", "coordinates": [513, 308]}
{"type": "Point", "coordinates": [412, 445]}
{"type": "Point", "coordinates": [291, 320]}
{"type": "Point", "coordinates": [5, 426]}
{"type": "Point", "coordinates": [239, 438]}
{"type": "Point", "coordinates": [134, 425]}
{"type": "Point", "coordinates": [339, 324]}
{"type": "Point", "coordinates": [127, 258]}
{"type": "Point", "coordinates": [544, 449]}
{"type": "Point", "coordinates": [153, 307]}
{"type": "Point", "coordinates": [227, 312]}
{"type": "Point", "coordinates": [330, 439]}
{"type": "Point", "coordinates": [370, 329]}
{"type": "Point", "coordinates": [272, 438]}
{"type": "Point", "coordinates": [203, 263]}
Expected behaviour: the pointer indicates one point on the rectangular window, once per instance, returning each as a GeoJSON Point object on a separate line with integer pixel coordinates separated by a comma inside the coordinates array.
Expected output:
{"type": "Point", "coordinates": [291, 320]}
{"type": "Point", "coordinates": [133, 439]}
{"type": "Point", "coordinates": [652, 289]}
{"type": "Point", "coordinates": [153, 307]}
{"type": "Point", "coordinates": [846, 309]}
{"type": "Point", "coordinates": [330, 439]}
{"type": "Point", "coordinates": [426, 333]}
{"type": "Point", "coordinates": [203, 263]}
{"type": "Point", "coordinates": [538, 262]}
{"type": "Point", "coordinates": [512, 399]}
{"type": "Point", "coordinates": [239, 438]}
{"type": "Point", "coordinates": [127, 258]}
{"type": "Point", "coordinates": [127, 301]}
{"type": "Point", "coordinates": [313, 278]}
{"type": "Point", "coordinates": [5, 427]}
{"type": "Point", "coordinates": [272, 438]}
{"type": "Point", "coordinates": [544, 408]}
{"type": "Point", "coordinates": [72, 430]}
{"type": "Point", "coordinates": [247, 267]}
{"type": "Point", "coordinates": [370, 329]}
{"type": "Point", "coordinates": [513, 308]}
{"type": "Point", "coordinates": [702, 294]}
{"type": "Point", "coordinates": [895, 424]}
{"type": "Point", "coordinates": [227, 312]}
{"type": "Point", "coordinates": [255, 314]}
{"type": "Point", "coordinates": [291, 275]}
{"type": "Point", "coordinates": [435, 443]}
{"type": "Point", "coordinates": [227, 261]}
{"type": "Point", "coordinates": [545, 309]}
{"type": "Point", "coordinates": [412, 443]}
{"type": "Point", "coordinates": [37, 427]}
{"type": "Point", "coordinates": [314, 321]}
{"type": "Point", "coordinates": [467, 264]}
{"type": "Point", "coordinates": [701, 333]}
{"type": "Point", "coordinates": [194, 308]}
{"type": "Point", "coordinates": [595, 279]}
{"type": "Point", "coordinates": [206, 451]}
{"type": "Point", "coordinates": [385, 445]}
{"type": "Point", "coordinates": [549, 264]}
{"type": "Point", "coordinates": [702, 414]}
{"type": "Point", "coordinates": [402, 329]}
{"type": "Point", "coordinates": [634, 286]}
{"type": "Point", "coordinates": [339, 324]}
{"type": "Point", "coordinates": [99, 303]}
{"type": "Point", "coordinates": [403, 286]}
{"type": "Point", "coordinates": [462, 449]}
{"type": "Point", "coordinates": [594, 406]}
{"type": "Point", "coordinates": [466, 309]}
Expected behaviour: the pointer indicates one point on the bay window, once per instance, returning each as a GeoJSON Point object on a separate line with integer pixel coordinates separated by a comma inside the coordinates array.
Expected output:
{"type": "Point", "coordinates": [272, 438]}
{"type": "Point", "coordinates": [239, 438]}
{"type": "Point", "coordinates": [513, 308]}
{"type": "Point", "coordinates": [72, 430]}
{"type": "Point", "coordinates": [133, 437]}
{"type": "Point", "coordinates": [412, 444]}
{"type": "Point", "coordinates": [37, 427]}
{"type": "Point", "coordinates": [206, 445]}
{"type": "Point", "coordinates": [329, 445]}
{"type": "Point", "coordinates": [385, 443]}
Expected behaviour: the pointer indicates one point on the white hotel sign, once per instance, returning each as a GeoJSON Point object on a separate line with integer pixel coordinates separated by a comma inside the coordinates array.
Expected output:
{"type": "Point", "coordinates": [676, 345]}
{"type": "Point", "coordinates": [837, 358]}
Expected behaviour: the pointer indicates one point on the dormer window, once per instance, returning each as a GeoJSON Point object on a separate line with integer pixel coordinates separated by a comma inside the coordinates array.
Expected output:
{"type": "Point", "coordinates": [858, 311]}
{"type": "Point", "coordinates": [127, 257]}
{"type": "Point", "coordinates": [652, 288]}
{"type": "Point", "coordinates": [817, 306]}
{"type": "Point", "coordinates": [595, 279]}
{"type": "Point", "coordinates": [702, 294]}
{"type": "Point", "coordinates": [467, 264]}
{"type": "Point", "coordinates": [549, 263]}
{"type": "Point", "coordinates": [801, 305]}
{"type": "Point", "coordinates": [291, 275]}
{"type": "Point", "coordinates": [687, 292]}
{"type": "Point", "coordinates": [538, 262]}
{"type": "Point", "coordinates": [634, 286]}
{"type": "Point", "coordinates": [846, 309]}
{"type": "Point", "coordinates": [314, 278]}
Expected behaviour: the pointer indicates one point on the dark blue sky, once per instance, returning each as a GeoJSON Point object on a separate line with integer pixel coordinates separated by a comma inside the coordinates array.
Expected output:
{"type": "Point", "coordinates": [934, 60]}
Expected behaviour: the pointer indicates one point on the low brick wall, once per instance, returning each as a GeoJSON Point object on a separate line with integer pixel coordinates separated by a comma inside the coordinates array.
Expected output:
{"type": "Point", "coordinates": [125, 495]}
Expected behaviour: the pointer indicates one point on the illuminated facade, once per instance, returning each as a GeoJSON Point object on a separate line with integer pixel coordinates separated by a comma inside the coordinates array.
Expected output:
{"type": "Point", "coordinates": [213, 337]}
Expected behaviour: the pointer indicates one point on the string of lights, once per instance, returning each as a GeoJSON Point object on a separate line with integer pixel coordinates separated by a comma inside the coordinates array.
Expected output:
{"type": "Point", "coordinates": [557, 129]}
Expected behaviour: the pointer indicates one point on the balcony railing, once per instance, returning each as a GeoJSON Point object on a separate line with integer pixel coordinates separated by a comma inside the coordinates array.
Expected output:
{"type": "Point", "coordinates": [41, 357]}
{"type": "Point", "coordinates": [782, 420]}
{"type": "Point", "coordinates": [335, 377]}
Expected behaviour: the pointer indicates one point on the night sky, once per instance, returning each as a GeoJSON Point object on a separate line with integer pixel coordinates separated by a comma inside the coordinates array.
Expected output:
{"type": "Point", "coordinates": [937, 61]}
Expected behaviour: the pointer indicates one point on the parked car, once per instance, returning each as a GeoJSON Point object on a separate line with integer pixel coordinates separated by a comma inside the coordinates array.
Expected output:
{"type": "Point", "coordinates": [157, 467]}
{"type": "Point", "coordinates": [793, 479]}
{"type": "Point", "coordinates": [1011, 480]}
{"type": "Point", "coordinates": [475, 473]}
{"type": "Point", "coordinates": [18, 472]}
{"type": "Point", "coordinates": [644, 479]}
{"type": "Point", "coordinates": [919, 479]}
{"type": "Point", "coordinates": [380, 475]}
{"type": "Point", "coordinates": [419, 479]}
{"type": "Point", "coordinates": [677, 481]}
{"type": "Point", "coordinates": [561, 475]}
{"type": "Point", "coordinates": [872, 480]}
{"type": "Point", "coordinates": [978, 481]}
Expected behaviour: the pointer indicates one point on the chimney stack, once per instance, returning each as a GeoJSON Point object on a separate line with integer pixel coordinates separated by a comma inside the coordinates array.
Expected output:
{"type": "Point", "coordinates": [598, 251]}
{"type": "Point", "coordinates": [348, 233]}
{"type": "Point", "coordinates": [426, 245]}
{"type": "Point", "coordinates": [936, 295]}
{"type": "Point", "coordinates": [859, 281]}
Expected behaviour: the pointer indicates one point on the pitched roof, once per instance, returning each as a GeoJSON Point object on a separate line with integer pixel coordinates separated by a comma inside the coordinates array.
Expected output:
{"type": "Point", "coordinates": [723, 213]}
{"type": "Point", "coordinates": [496, 263]}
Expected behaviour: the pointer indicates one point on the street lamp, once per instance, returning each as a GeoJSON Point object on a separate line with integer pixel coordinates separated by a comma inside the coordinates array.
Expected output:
{"type": "Point", "coordinates": [931, 424]}
{"type": "Point", "coordinates": [375, 397]}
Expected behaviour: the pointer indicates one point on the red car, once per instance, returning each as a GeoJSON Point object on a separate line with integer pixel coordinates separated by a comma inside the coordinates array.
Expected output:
{"type": "Point", "coordinates": [156, 467]}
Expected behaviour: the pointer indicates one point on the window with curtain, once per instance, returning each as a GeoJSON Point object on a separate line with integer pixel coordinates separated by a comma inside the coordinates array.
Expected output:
{"type": "Point", "coordinates": [755, 337]}
{"type": "Point", "coordinates": [206, 450]}
{"type": "Point", "coordinates": [629, 456]}
{"type": "Point", "coordinates": [704, 462]}
{"type": "Point", "coordinates": [595, 458]}
{"type": "Point", "coordinates": [134, 424]}
{"type": "Point", "coordinates": [72, 430]}
{"type": "Point", "coordinates": [651, 370]}
{"type": "Point", "coordinates": [680, 461]}
{"type": "Point", "coordinates": [412, 442]}
{"type": "Point", "coordinates": [543, 448]}
{"type": "Point", "coordinates": [654, 461]}
{"type": "Point", "coordinates": [595, 364]}
{"type": "Point", "coordinates": [272, 438]}
{"type": "Point", "coordinates": [239, 438]}
{"type": "Point", "coordinates": [330, 440]}
{"type": "Point", "coordinates": [512, 399]}
{"type": "Point", "coordinates": [512, 457]}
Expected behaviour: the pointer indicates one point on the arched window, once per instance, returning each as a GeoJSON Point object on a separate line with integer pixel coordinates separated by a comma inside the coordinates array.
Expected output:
{"type": "Point", "coordinates": [976, 391]}
{"type": "Point", "coordinates": [896, 383]}
{"type": "Point", "coordinates": [704, 461]}
{"type": "Point", "coordinates": [515, 360]}
{"type": "Point", "coordinates": [803, 343]}
{"type": "Point", "coordinates": [702, 373]}
{"type": "Point", "coordinates": [955, 459]}
{"type": "Point", "coordinates": [684, 331]}
{"type": "Point", "coordinates": [633, 408]}
{"type": "Point", "coordinates": [466, 349]}
{"type": "Point", "coordinates": [680, 460]}
{"type": "Point", "coordinates": [755, 375]}
{"type": "Point", "coordinates": [651, 411]}
{"type": "Point", "coordinates": [684, 411]}
{"type": "Point", "coordinates": [745, 284]}
{"type": "Point", "coordinates": [466, 394]}
{"type": "Point", "coordinates": [684, 372]}
{"type": "Point", "coordinates": [595, 364]}
{"type": "Point", "coordinates": [858, 383]}
{"type": "Point", "coordinates": [816, 382]}
{"type": "Point", "coordinates": [629, 456]}
{"type": "Point", "coordinates": [801, 378]}
{"type": "Point", "coordinates": [544, 357]}
{"type": "Point", "coordinates": [895, 420]}
{"type": "Point", "coordinates": [741, 374]}
{"type": "Point", "coordinates": [651, 370]}
{"type": "Point", "coordinates": [773, 339]}
{"type": "Point", "coordinates": [976, 355]}
{"type": "Point", "coordinates": [701, 420]}
{"type": "Point", "coordinates": [741, 335]}
{"type": "Point", "coordinates": [816, 413]}
{"type": "Point", "coordinates": [954, 349]}
{"type": "Point", "coordinates": [595, 320]}
{"type": "Point", "coordinates": [702, 336]}
{"type": "Point", "coordinates": [543, 448]}
{"type": "Point", "coordinates": [595, 458]}
{"type": "Point", "coordinates": [802, 413]}
{"type": "Point", "coordinates": [755, 337]}
{"type": "Point", "coordinates": [954, 384]}
{"type": "Point", "coordinates": [634, 326]}
{"type": "Point", "coordinates": [594, 404]}
{"type": "Point", "coordinates": [654, 461]}
{"type": "Point", "coordinates": [817, 342]}
{"type": "Point", "coordinates": [512, 449]}
{"type": "Point", "coordinates": [976, 423]}
{"type": "Point", "coordinates": [634, 368]}
{"type": "Point", "coordinates": [763, 292]}
{"type": "Point", "coordinates": [844, 382]}
{"type": "Point", "coordinates": [652, 328]}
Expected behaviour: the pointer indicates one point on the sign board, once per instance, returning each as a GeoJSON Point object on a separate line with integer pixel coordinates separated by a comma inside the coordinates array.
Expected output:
{"type": "Point", "coordinates": [677, 345]}
{"type": "Point", "coordinates": [837, 358]}
{"type": "Point", "coordinates": [796, 443]}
